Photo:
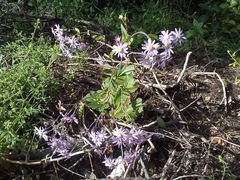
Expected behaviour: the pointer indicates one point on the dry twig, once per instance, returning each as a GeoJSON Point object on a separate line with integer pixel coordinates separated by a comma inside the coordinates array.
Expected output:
{"type": "Point", "coordinates": [221, 81]}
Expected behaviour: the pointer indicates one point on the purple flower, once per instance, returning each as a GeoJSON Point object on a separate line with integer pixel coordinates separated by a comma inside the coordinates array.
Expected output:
{"type": "Point", "coordinates": [41, 133]}
{"type": "Point", "coordinates": [67, 53]}
{"type": "Point", "coordinates": [129, 157]}
{"type": "Point", "coordinates": [129, 141]}
{"type": "Point", "coordinates": [99, 137]}
{"type": "Point", "coordinates": [166, 37]}
{"type": "Point", "coordinates": [66, 43]}
{"type": "Point", "coordinates": [94, 138]}
{"type": "Point", "coordinates": [138, 135]}
{"type": "Point", "coordinates": [162, 60]}
{"type": "Point", "coordinates": [72, 42]}
{"type": "Point", "coordinates": [117, 39]}
{"type": "Point", "coordinates": [178, 36]}
{"type": "Point", "coordinates": [146, 59]}
{"type": "Point", "coordinates": [102, 136]}
{"type": "Point", "coordinates": [57, 31]}
{"type": "Point", "coordinates": [109, 162]}
{"type": "Point", "coordinates": [54, 143]}
{"type": "Point", "coordinates": [120, 49]}
{"type": "Point", "coordinates": [69, 119]}
{"type": "Point", "coordinates": [81, 46]}
{"type": "Point", "coordinates": [61, 146]}
{"type": "Point", "coordinates": [150, 48]}
{"type": "Point", "coordinates": [119, 136]}
{"type": "Point", "coordinates": [168, 49]}
{"type": "Point", "coordinates": [63, 152]}
{"type": "Point", "coordinates": [64, 47]}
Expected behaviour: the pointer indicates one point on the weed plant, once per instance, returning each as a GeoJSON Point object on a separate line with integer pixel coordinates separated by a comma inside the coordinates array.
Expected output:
{"type": "Point", "coordinates": [114, 102]}
{"type": "Point", "coordinates": [211, 24]}
{"type": "Point", "coordinates": [215, 26]}
{"type": "Point", "coordinates": [25, 77]}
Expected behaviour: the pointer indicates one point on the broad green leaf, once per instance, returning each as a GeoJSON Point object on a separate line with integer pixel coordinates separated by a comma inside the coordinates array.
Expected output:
{"type": "Point", "coordinates": [134, 109]}
{"type": "Point", "coordinates": [232, 22]}
{"type": "Point", "coordinates": [127, 70]}
{"type": "Point", "coordinates": [95, 99]}
{"type": "Point", "coordinates": [203, 18]}
{"type": "Point", "coordinates": [197, 24]}
{"type": "Point", "coordinates": [153, 36]}
{"type": "Point", "coordinates": [107, 71]}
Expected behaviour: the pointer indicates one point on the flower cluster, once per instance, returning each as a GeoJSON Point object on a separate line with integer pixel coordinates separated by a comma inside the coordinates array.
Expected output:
{"type": "Point", "coordinates": [126, 141]}
{"type": "Point", "coordinates": [121, 138]}
{"type": "Point", "coordinates": [56, 136]}
{"type": "Point", "coordinates": [120, 49]}
{"type": "Point", "coordinates": [67, 44]}
{"type": "Point", "coordinates": [60, 145]}
{"type": "Point", "coordinates": [128, 138]}
{"type": "Point", "coordinates": [151, 56]}
{"type": "Point", "coordinates": [56, 133]}
{"type": "Point", "coordinates": [127, 159]}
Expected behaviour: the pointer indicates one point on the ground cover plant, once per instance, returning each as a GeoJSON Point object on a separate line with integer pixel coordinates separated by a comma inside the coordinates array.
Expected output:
{"type": "Point", "coordinates": [25, 78]}
{"type": "Point", "coordinates": [118, 96]}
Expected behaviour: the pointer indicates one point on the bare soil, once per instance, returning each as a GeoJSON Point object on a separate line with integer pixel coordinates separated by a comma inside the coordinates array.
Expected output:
{"type": "Point", "coordinates": [196, 122]}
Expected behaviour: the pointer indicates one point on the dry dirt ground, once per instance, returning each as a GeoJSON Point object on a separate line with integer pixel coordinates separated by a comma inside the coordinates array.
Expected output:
{"type": "Point", "coordinates": [195, 120]}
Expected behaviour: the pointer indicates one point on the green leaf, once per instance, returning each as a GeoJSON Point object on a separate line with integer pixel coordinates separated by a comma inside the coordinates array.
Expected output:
{"type": "Point", "coordinates": [111, 54]}
{"type": "Point", "coordinates": [80, 109]}
{"type": "Point", "coordinates": [77, 31]}
{"type": "Point", "coordinates": [232, 22]}
{"type": "Point", "coordinates": [134, 109]}
{"type": "Point", "coordinates": [160, 122]}
{"type": "Point", "coordinates": [238, 27]}
{"type": "Point", "coordinates": [153, 36]}
{"type": "Point", "coordinates": [98, 38]}
{"type": "Point", "coordinates": [127, 70]}
{"type": "Point", "coordinates": [96, 100]}
{"type": "Point", "coordinates": [215, 26]}
{"type": "Point", "coordinates": [126, 38]}
{"type": "Point", "coordinates": [107, 71]}
{"type": "Point", "coordinates": [125, 35]}
{"type": "Point", "coordinates": [190, 33]}
{"type": "Point", "coordinates": [129, 84]}
{"type": "Point", "coordinates": [224, 5]}
{"type": "Point", "coordinates": [203, 18]}
{"type": "Point", "coordinates": [197, 24]}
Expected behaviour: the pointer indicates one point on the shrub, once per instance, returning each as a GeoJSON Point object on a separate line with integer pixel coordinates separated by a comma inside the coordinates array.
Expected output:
{"type": "Point", "coordinates": [25, 76]}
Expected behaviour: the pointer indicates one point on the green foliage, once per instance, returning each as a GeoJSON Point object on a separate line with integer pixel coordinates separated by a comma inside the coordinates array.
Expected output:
{"type": "Point", "coordinates": [125, 36]}
{"type": "Point", "coordinates": [235, 58]}
{"type": "Point", "coordinates": [147, 16]}
{"type": "Point", "coordinates": [25, 77]}
{"type": "Point", "coordinates": [216, 25]}
{"type": "Point", "coordinates": [114, 98]}
{"type": "Point", "coordinates": [236, 62]}
{"type": "Point", "coordinates": [226, 172]}
{"type": "Point", "coordinates": [77, 9]}
{"type": "Point", "coordinates": [197, 30]}
{"type": "Point", "coordinates": [211, 24]}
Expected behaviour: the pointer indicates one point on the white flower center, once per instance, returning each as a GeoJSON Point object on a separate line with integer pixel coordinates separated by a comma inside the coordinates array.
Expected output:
{"type": "Point", "coordinates": [149, 47]}
{"type": "Point", "coordinates": [119, 49]}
